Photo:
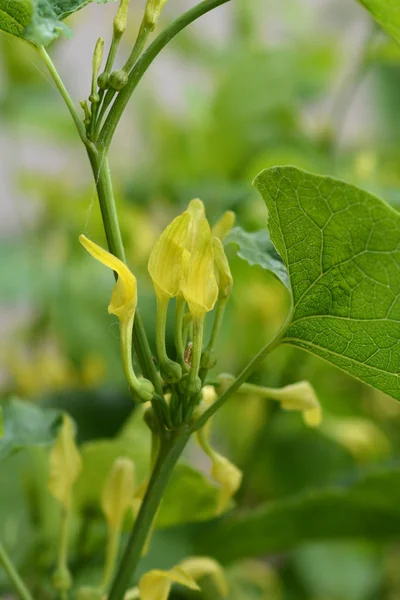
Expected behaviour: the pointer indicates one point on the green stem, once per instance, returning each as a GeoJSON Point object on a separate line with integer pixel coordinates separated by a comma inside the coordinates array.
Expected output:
{"type": "Point", "coordinates": [178, 331]}
{"type": "Point", "coordinates": [143, 34]}
{"type": "Point", "coordinates": [144, 63]}
{"type": "Point", "coordinates": [218, 319]}
{"type": "Point", "coordinates": [114, 537]}
{"type": "Point", "coordinates": [13, 575]}
{"type": "Point", "coordinates": [102, 176]}
{"type": "Point", "coordinates": [243, 376]}
{"type": "Point", "coordinates": [64, 93]}
{"type": "Point", "coordinates": [170, 451]}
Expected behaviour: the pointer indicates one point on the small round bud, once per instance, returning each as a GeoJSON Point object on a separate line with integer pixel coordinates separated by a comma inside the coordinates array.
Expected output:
{"type": "Point", "coordinates": [102, 81]}
{"type": "Point", "coordinates": [94, 98]}
{"type": "Point", "coordinates": [62, 579]}
{"type": "Point", "coordinates": [118, 80]}
{"type": "Point", "coordinates": [208, 359]}
{"type": "Point", "coordinates": [190, 386]}
{"type": "Point", "coordinates": [171, 371]}
{"type": "Point", "coordinates": [145, 390]}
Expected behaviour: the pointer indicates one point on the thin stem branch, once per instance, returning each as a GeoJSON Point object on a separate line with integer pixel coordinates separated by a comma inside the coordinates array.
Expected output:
{"type": "Point", "coordinates": [243, 376]}
{"type": "Point", "coordinates": [64, 93]}
{"type": "Point", "coordinates": [144, 63]}
{"type": "Point", "coordinates": [170, 451]}
{"type": "Point", "coordinates": [13, 575]}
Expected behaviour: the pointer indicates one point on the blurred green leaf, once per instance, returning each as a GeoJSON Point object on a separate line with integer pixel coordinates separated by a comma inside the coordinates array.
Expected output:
{"type": "Point", "coordinates": [368, 508]}
{"type": "Point", "coordinates": [387, 14]}
{"type": "Point", "coordinates": [341, 248]}
{"type": "Point", "coordinates": [190, 497]}
{"type": "Point", "coordinates": [256, 249]}
{"type": "Point", "coordinates": [24, 424]}
{"type": "Point", "coordinates": [38, 21]}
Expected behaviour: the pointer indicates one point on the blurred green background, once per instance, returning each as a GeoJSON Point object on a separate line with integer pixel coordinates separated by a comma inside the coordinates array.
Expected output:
{"type": "Point", "coordinates": [257, 83]}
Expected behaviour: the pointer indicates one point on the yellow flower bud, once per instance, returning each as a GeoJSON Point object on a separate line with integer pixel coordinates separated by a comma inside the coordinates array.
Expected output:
{"type": "Point", "coordinates": [118, 492]}
{"type": "Point", "coordinates": [124, 297]}
{"type": "Point", "coordinates": [222, 270]}
{"type": "Point", "coordinates": [165, 262]}
{"type": "Point", "coordinates": [153, 11]}
{"type": "Point", "coordinates": [65, 464]}
{"type": "Point", "coordinates": [121, 17]}
{"type": "Point", "coordinates": [224, 225]}
{"type": "Point", "coordinates": [199, 285]}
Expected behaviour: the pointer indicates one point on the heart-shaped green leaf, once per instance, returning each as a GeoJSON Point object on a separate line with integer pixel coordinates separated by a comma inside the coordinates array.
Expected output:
{"type": "Point", "coordinates": [387, 14]}
{"type": "Point", "coordinates": [38, 21]}
{"type": "Point", "coordinates": [341, 247]}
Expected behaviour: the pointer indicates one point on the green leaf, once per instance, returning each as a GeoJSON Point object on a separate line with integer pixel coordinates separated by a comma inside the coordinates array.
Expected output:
{"type": "Point", "coordinates": [368, 508]}
{"type": "Point", "coordinates": [341, 247]}
{"type": "Point", "coordinates": [256, 249]}
{"type": "Point", "coordinates": [190, 497]}
{"type": "Point", "coordinates": [387, 14]}
{"type": "Point", "coordinates": [38, 21]}
{"type": "Point", "coordinates": [24, 424]}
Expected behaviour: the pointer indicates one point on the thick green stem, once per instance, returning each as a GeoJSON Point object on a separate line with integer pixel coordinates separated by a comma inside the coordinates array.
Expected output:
{"type": "Point", "coordinates": [168, 456]}
{"type": "Point", "coordinates": [13, 575]}
{"type": "Point", "coordinates": [178, 331]}
{"type": "Point", "coordinates": [144, 63]}
{"type": "Point", "coordinates": [102, 176]}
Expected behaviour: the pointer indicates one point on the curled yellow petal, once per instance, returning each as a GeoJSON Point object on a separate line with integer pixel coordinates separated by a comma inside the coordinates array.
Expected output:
{"type": "Point", "coordinates": [203, 566]}
{"type": "Point", "coordinates": [65, 464]}
{"type": "Point", "coordinates": [156, 584]}
{"type": "Point", "coordinates": [199, 285]}
{"type": "Point", "coordinates": [300, 396]}
{"type": "Point", "coordinates": [224, 225]}
{"type": "Point", "coordinates": [222, 470]}
{"type": "Point", "coordinates": [222, 269]}
{"type": "Point", "coordinates": [124, 297]}
{"type": "Point", "coordinates": [165, 262]}
{"type": "Point", "coordinates": [118, 492]}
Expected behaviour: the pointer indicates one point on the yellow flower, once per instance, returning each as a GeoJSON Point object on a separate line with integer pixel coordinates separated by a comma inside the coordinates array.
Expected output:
{"type": "Point", "coordinates": [124, 297]}
{"type": "Point", "coordinates": [165, 262]}
{"type": "Point", "coordinates": [223, 471]}
{"type": "Point", "coordinates": [199, 285]}
{"type": "Point", "coordinates": [157, 584]}
{"type": "Point", "coordinates": [123, 305]}
{"type": "Point", "coordinates": [222, 269]}
{"type": "Point", "coordinates": [224, 225]}
{"type": "Point", "coordinates": [65, 464]}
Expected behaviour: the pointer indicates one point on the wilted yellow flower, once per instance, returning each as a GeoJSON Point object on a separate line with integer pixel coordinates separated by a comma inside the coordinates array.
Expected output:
{"type": "Point", "coordinates": [156, 584]}
{"type": "Point", "coordinates": [118, 492]}
{"type": "Point", "coordinates": [300, 396]}
{"type": "Point", "coordinates": [223, 471]}
{"type": "Point", "coordinates": [222, 269]}
{"type": "Point", "coordinates": [224, 225]}
{"type": "Point", "coordinates": [124, 297]}
{"type": "Point", "coordinates": [65, 464]}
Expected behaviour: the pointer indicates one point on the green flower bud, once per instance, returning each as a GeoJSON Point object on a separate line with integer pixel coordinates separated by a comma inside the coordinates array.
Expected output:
{"type": "Point", "coordinates": [62, 579]}
{"type": "Point", "coordinates": [117, 80]}
{"type": "Point", "coordinates": [102, 81]}
{"type": "Point", "coordinates": [171, 371]}
{"type": "Point", "coordinates": [89, 593]}
{"type": "Point", "coordinates": [121, 18]}
{"type": "Point", "coordinates": [208, 359]}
